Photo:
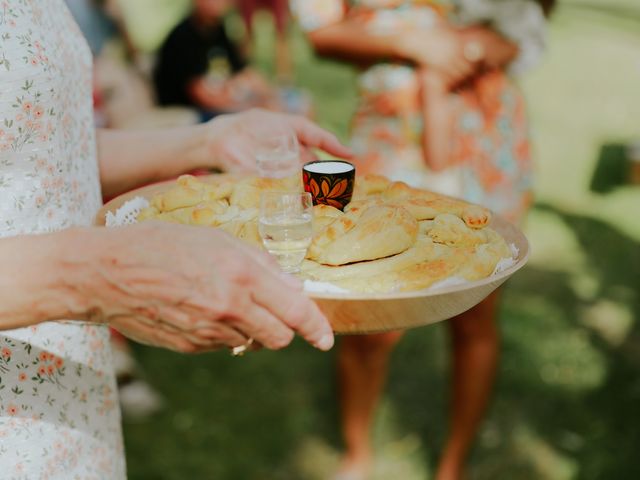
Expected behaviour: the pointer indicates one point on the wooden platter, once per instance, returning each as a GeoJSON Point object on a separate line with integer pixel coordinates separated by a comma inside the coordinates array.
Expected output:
{"type": "Point", "coordinates": [356, 313]}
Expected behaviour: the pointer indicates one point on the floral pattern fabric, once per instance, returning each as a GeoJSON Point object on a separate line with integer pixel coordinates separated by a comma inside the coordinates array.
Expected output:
{"type": "Point", "coordinates": [59, 415]}
{"type": "Point", "coordinates": [491, 161]}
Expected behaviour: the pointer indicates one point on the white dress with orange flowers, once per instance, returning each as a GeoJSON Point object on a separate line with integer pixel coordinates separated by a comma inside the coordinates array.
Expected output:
{"type": "Point", "coordinates": [59, 416]}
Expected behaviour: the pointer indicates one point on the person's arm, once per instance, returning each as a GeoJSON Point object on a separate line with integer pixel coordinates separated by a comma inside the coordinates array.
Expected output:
{"type": "Point", "coordinates": [351, 41]}
{"type": "Point", "coordinates": [131, 158]}
{"type": "Point", "coordinates": [439, 47]}
{"type": "Point", "coordinates": [245, 89]}
{"type": "Point", "coordinates": [217, 98]}
{"type": "Point", "coordinates": [184, 288]}
{"type": "Point", "coordinates": [437, 116]}
{"type": "Point", "coordinates": [497, 51]}
{"type": "Point", "coordinates": [33, 285]}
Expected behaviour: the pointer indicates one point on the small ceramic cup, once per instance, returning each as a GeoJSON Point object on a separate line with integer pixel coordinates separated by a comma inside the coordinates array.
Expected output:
{"type": "Point", "coordinates": [330, 182]}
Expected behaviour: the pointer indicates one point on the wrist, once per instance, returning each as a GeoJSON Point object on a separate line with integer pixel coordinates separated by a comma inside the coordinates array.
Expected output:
{"type": "Point", "coordinates": [197, 151]}
{"type": "Point", "coordinates": [33, 283]}
{"type": "Point", "coordinates": [214, 136]}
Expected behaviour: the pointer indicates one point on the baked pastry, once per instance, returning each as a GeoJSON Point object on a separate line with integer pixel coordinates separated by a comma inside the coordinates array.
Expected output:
{"type": "Point", "coordinates": [376, 232]}
{"type": "Point", "coordinates": [391, 237]}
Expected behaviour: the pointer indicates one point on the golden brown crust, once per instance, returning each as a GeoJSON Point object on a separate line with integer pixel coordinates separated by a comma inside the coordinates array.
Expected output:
{"type": "Point", "coordinates": [377, 232]}
{"type": "Point", "coordinates": [391, 237]}
{"type": "Point", "coordinates": [368, 185]}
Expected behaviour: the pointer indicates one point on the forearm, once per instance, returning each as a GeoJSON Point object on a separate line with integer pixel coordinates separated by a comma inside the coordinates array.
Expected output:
{"type": "Point", "coordinates": [215, 98]}
{"type": "Point", "coordinates": [352, 42]}
{"type": "Point", "coordinates": [131, 158]}
{"type": "Point", "coordinates": [35, 279]}
{"type": "Point", "coordinates": [437, 121]}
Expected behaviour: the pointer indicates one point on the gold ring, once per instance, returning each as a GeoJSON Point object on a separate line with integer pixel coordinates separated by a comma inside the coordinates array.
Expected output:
{"type": "Point", "coordinates": [473, 51]}
{"type": "Point", "coordinates": [240, 349]}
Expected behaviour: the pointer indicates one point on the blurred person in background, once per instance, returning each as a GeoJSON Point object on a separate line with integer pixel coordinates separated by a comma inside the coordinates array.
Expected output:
{"type": "Point", "coordinates": [63, 281]}
{"type": "Point", "coordinates": [200, 66]}
{"type": "Point", "coordinates": [439, 110]}
{"type": "Point", "coordinates": [279, 10]}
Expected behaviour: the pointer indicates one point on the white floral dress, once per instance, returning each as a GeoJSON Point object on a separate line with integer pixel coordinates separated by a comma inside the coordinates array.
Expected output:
{"type": "Point", "coordinates": [59, 415]}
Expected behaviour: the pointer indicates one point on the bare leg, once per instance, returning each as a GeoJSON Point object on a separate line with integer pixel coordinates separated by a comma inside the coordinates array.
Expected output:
{"type": "Point", "coordinates": [362, 365]}
{"type": "Point", "coordinates": [475, 341]}
{"type": "Point", "coordinates": [284, 65]}
{"type": "Point", "coordinates": [283, 61]}
{"type": "Point", "coordinates": [247, 9]}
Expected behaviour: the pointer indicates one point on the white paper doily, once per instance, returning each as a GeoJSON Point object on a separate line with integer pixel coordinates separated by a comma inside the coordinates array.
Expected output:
{"type": "Point", "coordinates": [127, 213]}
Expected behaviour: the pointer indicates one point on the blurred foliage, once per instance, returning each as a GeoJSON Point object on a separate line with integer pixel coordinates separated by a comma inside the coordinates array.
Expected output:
{"type": "Point", "coordinates": [566, 403]}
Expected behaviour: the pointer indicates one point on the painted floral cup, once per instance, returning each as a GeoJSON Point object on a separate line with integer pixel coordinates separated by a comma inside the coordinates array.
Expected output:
{"type": "Point", "coordinates": [330, 182]}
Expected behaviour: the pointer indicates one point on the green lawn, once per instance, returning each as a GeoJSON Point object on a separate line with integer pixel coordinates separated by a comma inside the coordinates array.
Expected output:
{"type": "Point", "coordinates": [568, 396]}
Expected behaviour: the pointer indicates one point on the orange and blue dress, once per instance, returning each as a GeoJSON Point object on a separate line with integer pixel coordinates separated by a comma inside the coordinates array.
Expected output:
{"type": "Point", "coordinates": [491, 155]}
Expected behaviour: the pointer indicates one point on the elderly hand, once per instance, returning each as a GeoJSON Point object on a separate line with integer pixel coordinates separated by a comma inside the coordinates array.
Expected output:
{"type": "Point", "coordinates": [190, 289]}
{"type": "Point", "coordinates": [231, 140]}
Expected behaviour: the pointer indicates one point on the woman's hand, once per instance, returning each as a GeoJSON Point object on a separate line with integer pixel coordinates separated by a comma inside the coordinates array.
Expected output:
{"type": "Point", "coordinates": [441, 48]}
{"type": "Point", "coordinates": [189, 289]}
{"type": "Point", "coordinates": [132, 158]}
{"type": "Point", "coordinates": [230, 141]}
{"type": "Point", "coordinates": [497, 51]}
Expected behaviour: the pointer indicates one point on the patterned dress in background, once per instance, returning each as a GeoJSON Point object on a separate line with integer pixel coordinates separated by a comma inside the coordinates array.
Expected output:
{"type": "Point", "coordinates": [59, 416]}
{"type": "Point", "coordinates": [491, 160]}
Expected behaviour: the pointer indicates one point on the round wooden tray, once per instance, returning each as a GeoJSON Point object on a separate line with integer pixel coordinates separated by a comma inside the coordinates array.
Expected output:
{"type": "Point", "coordinates": [352, 313]}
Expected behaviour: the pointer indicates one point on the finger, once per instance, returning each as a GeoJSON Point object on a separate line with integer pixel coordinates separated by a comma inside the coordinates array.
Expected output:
{"type": "Point", "coordinates": [261, 325]}
{"type": "Point", "coordinates": [307, 155]}
{"type": "Point", "coordinates": [222, 334]}
{"type": "Point", "coordinates": [215, 334]}
{"type": "Point", "coordinates": [256, 346]}
{"type": "Point", "coordinates": [468, 68]}
{"type": "Point", "coordinates": [270, 267]}
{"type": "Point", "coordinates": [311, 135]}
{"type": "Point", "coordinates": [238, 158]}
{"type": "Point", "coordinates": [462, 70]}
{"type": "Point", "coordinates": [154, 336]}
{"type": "Point", "coordinates": [296, 310]}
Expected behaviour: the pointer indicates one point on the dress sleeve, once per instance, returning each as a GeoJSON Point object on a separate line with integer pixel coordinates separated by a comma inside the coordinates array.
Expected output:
{"type": "Point", "coordinates": [314, 14]}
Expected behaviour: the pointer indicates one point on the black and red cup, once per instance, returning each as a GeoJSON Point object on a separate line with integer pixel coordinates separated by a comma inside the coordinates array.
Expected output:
{"type": "Point", "coordinates": [330, 182]}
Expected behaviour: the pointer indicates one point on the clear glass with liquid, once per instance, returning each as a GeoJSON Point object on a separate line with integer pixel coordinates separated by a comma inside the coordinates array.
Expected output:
{"type": "Point", "coordinates": [278, 163]}
{"type": "Point", "coordinates": [285, 226]}
{"type": "Point", "coordinates": [276, 150]}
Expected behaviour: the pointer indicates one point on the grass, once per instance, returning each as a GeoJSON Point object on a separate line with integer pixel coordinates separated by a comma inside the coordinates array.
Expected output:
{"type": "Point", "coordinates": [566, 403]}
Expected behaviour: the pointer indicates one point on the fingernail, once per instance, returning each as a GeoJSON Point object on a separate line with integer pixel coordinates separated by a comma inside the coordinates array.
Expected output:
{"type": "Point", "coordinates": [326, 342]}
{"type": "Point", "coordinates": [292, 281]}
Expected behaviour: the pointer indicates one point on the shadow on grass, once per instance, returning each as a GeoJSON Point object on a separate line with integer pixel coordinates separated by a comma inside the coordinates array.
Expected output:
{"type": "Point", "coordinates": [230, 418]}
{"type": "Point", "coordinates": [566, 403]}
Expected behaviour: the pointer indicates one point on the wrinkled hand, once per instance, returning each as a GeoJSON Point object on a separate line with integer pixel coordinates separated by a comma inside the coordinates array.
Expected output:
{"type": "Point", "coordinates": [231, 138]}
{"type": "Point", "coordinates": [194, 289]}
{"type": "Point", "coordinates": [440, 48]}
